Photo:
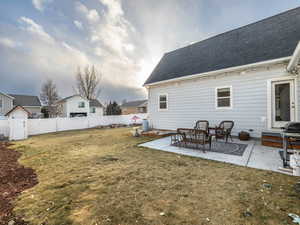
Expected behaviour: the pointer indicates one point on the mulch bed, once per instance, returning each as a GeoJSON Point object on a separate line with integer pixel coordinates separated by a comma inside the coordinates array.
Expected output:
{"type": "Point", "coordinates": [14, 178]}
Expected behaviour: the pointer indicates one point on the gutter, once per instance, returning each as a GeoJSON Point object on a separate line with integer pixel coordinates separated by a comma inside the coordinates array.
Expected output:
{"type": "Point", "coordinates": [293, 64]}
{"type": "Point", "coordinates": [221, 71]}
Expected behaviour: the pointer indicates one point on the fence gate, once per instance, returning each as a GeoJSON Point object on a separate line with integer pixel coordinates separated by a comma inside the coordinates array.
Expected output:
{"type": "Point", "coordinates": [18, 129]}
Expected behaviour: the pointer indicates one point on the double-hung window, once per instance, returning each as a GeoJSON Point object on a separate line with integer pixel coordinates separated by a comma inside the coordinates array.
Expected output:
{"type": "Point", "coordinates": [81, 105]}
{"type": "Point", "coordinates": [163, 102]}
{"type": "Point", "coordinates": [224, 97]}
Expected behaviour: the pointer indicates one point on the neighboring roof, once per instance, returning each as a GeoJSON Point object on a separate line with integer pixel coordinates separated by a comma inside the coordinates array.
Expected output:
{"type": "Point", "coordinates": [95, 103]}
{"type": "Point", "coordinates": [66, 98]}
{"type": "Point", "coordinates": [272, 38]}
{"type": "Point", "coordinates": [26, 100]}
{"type": "Point", "coordinates": [7, 95]}
{"type": "Point", "coordinates": [16, 108]}
{"type": "Point", "coordinates": [134, 103]}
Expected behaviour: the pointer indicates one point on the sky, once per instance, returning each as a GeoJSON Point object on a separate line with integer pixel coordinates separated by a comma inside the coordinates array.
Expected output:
{"type": "Point", "coordinates": [123, 39]}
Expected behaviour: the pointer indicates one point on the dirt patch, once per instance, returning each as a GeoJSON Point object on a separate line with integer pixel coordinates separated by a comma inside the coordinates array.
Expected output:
{"type": "Point", "coordinates": [14, 178]}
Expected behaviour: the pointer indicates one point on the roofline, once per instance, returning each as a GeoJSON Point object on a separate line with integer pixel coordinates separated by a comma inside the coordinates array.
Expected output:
{"type": "Point", "coordinates": [228, 31]}
{"type": "Point", "coordinates": [7, 95]}
{"type": "Point", "coordinates": [216, 72]}
{"type": "Point", "coordinates": [14, 108]}
{"type": "Point", "coordinates": [292, 66]}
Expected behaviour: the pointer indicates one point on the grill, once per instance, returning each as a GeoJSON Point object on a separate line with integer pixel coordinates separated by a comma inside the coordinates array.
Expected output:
{"type": "Point", "coordinates": [291, 138]}
{"type": "Point", "coordinates": [292, 127]}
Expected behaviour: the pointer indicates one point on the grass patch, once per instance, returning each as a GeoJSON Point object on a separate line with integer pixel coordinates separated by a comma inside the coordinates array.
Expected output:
{"type": "Point", "coordinates": [101, 177]}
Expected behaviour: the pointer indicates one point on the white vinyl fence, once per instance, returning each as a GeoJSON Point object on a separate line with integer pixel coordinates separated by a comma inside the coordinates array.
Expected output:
{"type": "Point", "coordinates": [4, 127]}
{"type": "Point", "coordinates": [42, 126]}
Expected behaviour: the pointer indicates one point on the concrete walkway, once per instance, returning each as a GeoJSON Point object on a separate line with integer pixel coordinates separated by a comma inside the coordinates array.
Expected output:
{"type": "Point", "coordinates": [255, 155]}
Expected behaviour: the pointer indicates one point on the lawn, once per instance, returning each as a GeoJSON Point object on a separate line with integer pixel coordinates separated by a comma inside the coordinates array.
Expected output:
{"type": "Point", "coordinates": [100, 176]}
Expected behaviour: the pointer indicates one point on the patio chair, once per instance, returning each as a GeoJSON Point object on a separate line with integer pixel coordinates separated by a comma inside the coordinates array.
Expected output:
{"type": "Point", "coordinates": [192, 138]}
{"type": "Point", "coordinates": [223, 131]}
{"type": "Point", "coordinates": [202, 125]}
{"type": "Point", "coordinates": [200, 138]}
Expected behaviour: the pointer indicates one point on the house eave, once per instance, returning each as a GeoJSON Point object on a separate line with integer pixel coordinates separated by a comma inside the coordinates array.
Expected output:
{"type": "Point", "coordinates": [7, 95]}
{"type": "Point", "coordinates": [222, 71]}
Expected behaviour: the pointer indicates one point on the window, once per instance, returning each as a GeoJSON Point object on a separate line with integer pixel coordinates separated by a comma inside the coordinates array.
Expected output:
{"type": "Point", "coordinates": [92, 110]}
{"type": "Point", "coordinates": [163, 102]}
{"type": "Point", "coordinates": [81, 105]}
{"type": "Point", "coordinates": [0, 103]}
{"type": "Point", "coordinates": [223, 97]}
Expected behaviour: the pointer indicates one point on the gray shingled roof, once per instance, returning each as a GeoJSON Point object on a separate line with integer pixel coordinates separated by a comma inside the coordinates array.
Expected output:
{"type": "Point", "coordinates": [95, 103]}
{"type": "Point", "coordinates": [134, 103]}
{"type": "Point", "coordinates": [271, 38]}
{"type": "Point", "coordinates": [26, 100]}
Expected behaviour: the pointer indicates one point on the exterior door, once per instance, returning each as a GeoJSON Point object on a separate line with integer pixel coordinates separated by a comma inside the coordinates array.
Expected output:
{"type": "Point", "coordinates": [283, 102]}
{"type": "Point", "coordinates": [18, 129]}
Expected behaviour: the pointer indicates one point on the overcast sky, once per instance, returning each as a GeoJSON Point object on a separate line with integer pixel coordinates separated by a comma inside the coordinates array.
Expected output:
{"type": "Point", "coordinates": [42, 39]}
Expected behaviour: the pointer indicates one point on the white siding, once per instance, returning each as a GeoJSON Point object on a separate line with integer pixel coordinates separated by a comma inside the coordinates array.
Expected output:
{"type": "Point", "coordinates": [72, 105]}
{"type": "Point", "coordinates": [192, 100]}
{"type": "Point", "coordinates": [99, 111]}
{"type": "Point", "coordinates": [7, 104]}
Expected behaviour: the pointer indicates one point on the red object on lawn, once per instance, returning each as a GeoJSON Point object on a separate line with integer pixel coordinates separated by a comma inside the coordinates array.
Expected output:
{"type": "Point", "coordinates": [135, 118]}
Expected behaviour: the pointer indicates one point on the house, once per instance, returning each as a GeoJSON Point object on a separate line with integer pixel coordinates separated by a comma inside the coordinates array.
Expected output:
{"type": "Point", "coordinates": [96, 108]}
{"type": "Point", "coordinates": [30, 103]}
{"type": "Point", "coordinates": [78, 106]}
{"type": "Point", "coordinates": [248, 75]}
{"type": "Point", "coordinates": [134, 107]}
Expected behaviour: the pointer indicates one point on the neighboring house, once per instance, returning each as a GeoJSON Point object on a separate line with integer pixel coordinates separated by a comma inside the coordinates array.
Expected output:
{"type": "Point", "coordinates": [30, 103]}
{"type": "Point", "coordinates": [248, 75]}
{"type": "Point", "coordinates": [78, 106]}
{"type": "Point", "coordinates": [6, 103]}
{"type": "Point", "coordinates": [96, 108]}
{"type": "Point", "coordinates": [134, 107]}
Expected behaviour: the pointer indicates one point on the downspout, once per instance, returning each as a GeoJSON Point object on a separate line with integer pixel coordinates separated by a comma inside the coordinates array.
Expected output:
{"type": "Point", "coordinates": [293, 64]}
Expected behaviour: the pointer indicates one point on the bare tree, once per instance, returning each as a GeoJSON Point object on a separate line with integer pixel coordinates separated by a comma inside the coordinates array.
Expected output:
{"type": "Point", "coordinates": [88, 83]}
{"type": "Point", "coordinates": [49, 96]}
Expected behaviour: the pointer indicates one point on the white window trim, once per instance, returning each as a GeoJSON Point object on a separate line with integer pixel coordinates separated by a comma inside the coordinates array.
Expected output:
{"type": "Point", "coordinates": [231, 98]}
{"type": "Point", "coordinates": [167, 102]}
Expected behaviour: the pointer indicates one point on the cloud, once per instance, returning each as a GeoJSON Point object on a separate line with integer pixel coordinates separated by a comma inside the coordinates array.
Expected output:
{"type": "Point", "coordinates": [40, 4]}
{"type": "Point", "coordinates": [91, 15]}
{"type": "Point", "coordinates": [35, 29]}
{"type": "Point", "coordinates": [6, 42]}
{"type": "Point", "coordinates": [78, 24]}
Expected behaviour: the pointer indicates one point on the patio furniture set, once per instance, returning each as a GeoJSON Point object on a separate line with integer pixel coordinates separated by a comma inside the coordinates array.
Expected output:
{"type": "Point", "coordinates": [202, 134]}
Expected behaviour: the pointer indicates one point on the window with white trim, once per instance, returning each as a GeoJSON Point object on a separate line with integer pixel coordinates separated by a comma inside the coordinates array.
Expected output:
{"type": "Point", "coordinates": [0, 103]}
{"type": "Point", "coordinates": [92, 110]}
{"type": "Point", "coordinates": [163, 102]}
{"type": "Point", "coordinates": [81, 104]}
{"type": "Point", "coordinates": [223, 97]}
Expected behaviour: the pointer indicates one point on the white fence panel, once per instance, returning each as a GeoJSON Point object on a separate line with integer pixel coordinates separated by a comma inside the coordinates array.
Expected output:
{"type": "Point", "coordinates": [41, 126]}
{"type": "Point", "coordinates": [72, 123]}
{"type": "Point", "coordinates": [4, 127]}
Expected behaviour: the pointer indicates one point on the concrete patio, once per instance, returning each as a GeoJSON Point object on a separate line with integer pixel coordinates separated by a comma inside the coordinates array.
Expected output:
{"type": "Point", "coordinates": [255, 155]}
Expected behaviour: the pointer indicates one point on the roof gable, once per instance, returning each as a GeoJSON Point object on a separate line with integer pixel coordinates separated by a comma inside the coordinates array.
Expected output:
{"type": "Point", "coordinates": [134, 103]}
{"type": "Point", "coordinates": [18, 107]}
{"type": "Point", "coordinates": [95, 103]}
{"type": "Point", "coordinates": [272, 38]}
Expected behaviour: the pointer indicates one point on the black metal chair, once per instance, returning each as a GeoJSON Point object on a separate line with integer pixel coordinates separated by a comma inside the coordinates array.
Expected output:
{"type": "Point", "coordinates": [202, 125]}
{"type": "Point", "coordinates": [223, 131]}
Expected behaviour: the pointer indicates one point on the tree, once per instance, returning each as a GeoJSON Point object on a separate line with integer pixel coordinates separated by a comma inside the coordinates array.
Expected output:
{"type": "Point", "coordinates": [113, 109]}
{"type": "Point", "coordinates": [49, 96]}
{"type": "Point", "coordinates": [88, 83]}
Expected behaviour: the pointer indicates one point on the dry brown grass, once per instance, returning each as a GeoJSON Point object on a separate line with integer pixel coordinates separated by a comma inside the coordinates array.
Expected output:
{"type": "Point", "coordinates": [101, 177]}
